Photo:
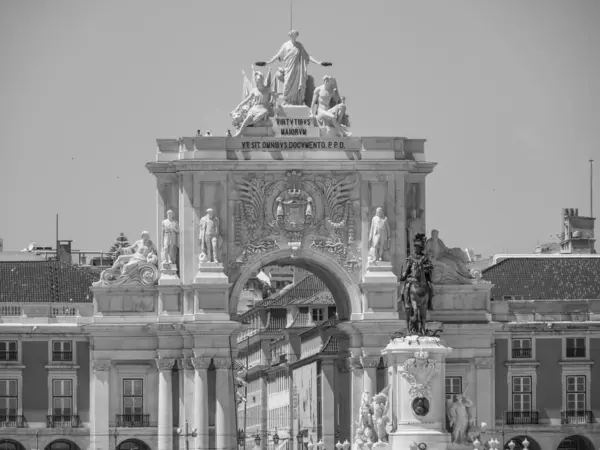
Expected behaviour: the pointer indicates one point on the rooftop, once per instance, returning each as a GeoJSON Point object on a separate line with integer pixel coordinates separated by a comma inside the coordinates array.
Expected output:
{"type": "Point", "coordinates": [545, 277]}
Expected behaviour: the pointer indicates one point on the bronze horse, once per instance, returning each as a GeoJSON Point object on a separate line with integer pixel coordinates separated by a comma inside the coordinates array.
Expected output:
{"type": "Point", "coordinates": [416, 304]}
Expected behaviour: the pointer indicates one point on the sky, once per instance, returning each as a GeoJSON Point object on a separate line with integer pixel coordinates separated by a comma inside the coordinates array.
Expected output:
{"type": "Point", "coordinates": [505, 92]}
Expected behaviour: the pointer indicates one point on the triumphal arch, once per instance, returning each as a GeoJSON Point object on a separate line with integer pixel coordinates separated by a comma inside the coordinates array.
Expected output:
{"type": "Point", "coordinates": [291, 185]}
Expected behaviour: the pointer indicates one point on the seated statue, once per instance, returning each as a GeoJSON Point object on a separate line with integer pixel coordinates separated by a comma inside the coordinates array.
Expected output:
{"type": "Point", "coordinates": [257, 107]}
{"type": "Point", "coordinates": [329, 109]}
{"type": "Point", "coordinates": [137, 264]}
{"type": "Point", "coordinates": [449, 265]}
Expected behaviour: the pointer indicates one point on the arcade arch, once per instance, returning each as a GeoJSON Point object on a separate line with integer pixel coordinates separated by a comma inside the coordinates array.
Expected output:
{"type": "Point", "coordinates": [343, 287]}
{"type": "Point", "coordinates": [62, 444]}
{"type": "Point", "coordinates": [575, 442]}
{"type": "Point", "coordinates": [9, 444]}
{"type": "Point", "coordinates": [133, 444]}
{"type": "Point", "coordinates": [518, 440]}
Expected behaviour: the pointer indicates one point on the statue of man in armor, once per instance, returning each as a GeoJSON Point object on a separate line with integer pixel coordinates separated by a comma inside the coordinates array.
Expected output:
{"type": "Point", "coordinates": [416, 264]}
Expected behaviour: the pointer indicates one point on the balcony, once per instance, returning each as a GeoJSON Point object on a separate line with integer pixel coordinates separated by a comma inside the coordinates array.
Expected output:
{"type": "Point", "coordinates": [133, 420]}
{"type": "Point", "coordinates": [9, 355]}
{"type": "Point", "coordinates": [518, 353]}
{"type": "Point", "coordinates": [62, 356]}
{"type": "Point", "coordinates": [68, 421]}
{"type": "Point", "coordinates": [576, 417]}
{"type": "Point", "coordinates": [522, 418]}
{"type": "Point", "coordinates": [11, 421]}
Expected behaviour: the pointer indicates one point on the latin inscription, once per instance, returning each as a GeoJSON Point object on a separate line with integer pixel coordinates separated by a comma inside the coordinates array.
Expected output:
{"type": "Point", "coordinates": [289, 145]}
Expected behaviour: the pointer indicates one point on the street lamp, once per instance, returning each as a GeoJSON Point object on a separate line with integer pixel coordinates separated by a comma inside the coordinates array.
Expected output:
{"type": "Point", "coordinates": [257, 440]}
{"type": "Point", "coordinates": [186, 433]}
{"type": "Point", "coordinates": [300, 438]}
{"type": "Point", "coordinates": [241, 438]}
{"type": "Point", "coordinates": [275, 438]}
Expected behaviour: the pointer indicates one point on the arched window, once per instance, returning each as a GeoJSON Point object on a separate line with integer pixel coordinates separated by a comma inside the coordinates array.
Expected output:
{"type": "Point", "coordinates": [575, 442]}
{"type": "Point", "coordinates": [10, 445]}
{"type": "Point", "coordinates": [62, 445]}
{"type": "Point", "coordinates": [133, 444]}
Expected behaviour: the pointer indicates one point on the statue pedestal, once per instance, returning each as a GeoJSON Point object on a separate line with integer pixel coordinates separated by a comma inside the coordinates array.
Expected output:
{"type": "Point", "coordinates": [211, 287]}
{"type": "Point", "coordinates": [380, 286]}
{"type": "Point", "coordinates": [418, 401]}
{"type": "Point", "coordinates": [461, 302]}
{"type": "Point", "coordinates": [168, 275]}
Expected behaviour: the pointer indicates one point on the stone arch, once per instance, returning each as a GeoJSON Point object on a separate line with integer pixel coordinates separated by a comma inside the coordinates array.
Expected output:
{"type": "Point", "coordinates": [10, 444]}
{"type": "Point", "coordinates": [576, 442]}
{"type": "Point", "coordinates": [132, 444]}
{"type": "Point", "coordinates": [343, 287]}
{"type": "Point", "coordinates": [62, 444]}
{"type": "Point", "coordinates": [518, 440]}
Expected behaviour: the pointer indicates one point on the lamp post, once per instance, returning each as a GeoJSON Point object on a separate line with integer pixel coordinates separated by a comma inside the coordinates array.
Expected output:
{"type": "Point", "coordinates": [241, 438]}
{"type": "Point", "coordinates": [275, 438]}
{"type": "Point", "coordinates": [115, 434]}
{"type": "Point", "coordinates": [257, 441]}
{"type": "Point", "coordinates": [300, 438]}
{"type": "Point", "coordinates": [186, 433]}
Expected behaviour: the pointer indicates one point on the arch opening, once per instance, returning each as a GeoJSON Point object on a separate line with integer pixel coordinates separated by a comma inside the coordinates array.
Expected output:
{"type": "Point", "coordinates": [575, 442]}
{"type": "Point", "coordinates": [9, 444]}
{"type": "Point", "coordinates": [518, 440]}
{"type": "Point", "coordinates": [344, 289]}
{"type": "Point", "coordinates": [62, 444]}
{"type": "Point", "coordinates": [133, 444]}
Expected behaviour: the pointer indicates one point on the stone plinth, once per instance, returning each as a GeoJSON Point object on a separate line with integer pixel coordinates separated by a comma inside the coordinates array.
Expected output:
{"type": "Point", "coordinates": [381, 286]}
{"type": "Point", "coordinates": [168, 276]}
{"type": "Point", "coordinates": [211, 287]}
{"type": "Point", "coordinates": [462, 303]}
{"type": "Point", "coordinates": [119, 300]}
{"type": "Point", "coordinates": [418, 403]}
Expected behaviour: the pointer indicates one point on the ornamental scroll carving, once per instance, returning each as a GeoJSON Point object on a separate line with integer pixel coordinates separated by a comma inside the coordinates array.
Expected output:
{"type": "Point", "coordinates": [295, 212]}
{"type": "Point", "coordinates": [418, 371]}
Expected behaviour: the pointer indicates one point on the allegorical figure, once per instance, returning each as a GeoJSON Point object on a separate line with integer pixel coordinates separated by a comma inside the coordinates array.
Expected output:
{"type": "Point", "coordinates": [210, 233]}
{"type": "Point", "coordinates": [256, 107]}
{"type": "Point", "coordinates": [329, 108]}
{"type": "Point", "coordinates": [458, 417]}
{"type": "Point", "coordinates": [417, 275]}
{"type": "Point", "coordinates": [295, 61]}
{"type": "Point", "coordinates": [449, 265]}
{"type": "Point", "coordinates": [379, 236]}
{"type": "Point", "coordinates": [141, 251]}
{"type": "Point", "coordinates": [170, 232]}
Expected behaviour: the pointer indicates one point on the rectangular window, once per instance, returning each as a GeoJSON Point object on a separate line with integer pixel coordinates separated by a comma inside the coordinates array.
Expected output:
{"type": "Point", "coordinates": [62, 351]}
{"type": "Point", "coordinates": [521, 348]}
{"type": "Point", "coordinates": [575, 347]}
{"type": "Point", "coordinates": [62, 399]}
{"type": "Point", "coordinates": [9, 399]}
{"type": "Point", "coordinates": [576, 393]}
{"type": "Point", "coordinates": [453, 386]}
{"type": "Point", "coordinates": [317, 314]}
{"type": "Point", "coordinates": [521, 393]}
{"type": "Point", "coordinates": [133, 396]}
{"type": "Point", "coordinates": [8, 351]}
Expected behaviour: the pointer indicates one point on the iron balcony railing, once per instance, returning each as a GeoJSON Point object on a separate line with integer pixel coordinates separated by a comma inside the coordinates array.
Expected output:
{"type": "Point", "coordinates": [521, 353]}
{"type": "Point", "coordinates": [62, 421]}
{"type": "Point", "coordinates": [11, 355]}
{"type": "Point", "coordinates": [62, 356]}
{"type": "Point", "coordinates": [522, 417]}
{"type": "Point", "coordinates": [133, 420]}
{"type": "Point", "coordinates": [573, 417]}
{"type": "Point", "coordinates": [11, 421]}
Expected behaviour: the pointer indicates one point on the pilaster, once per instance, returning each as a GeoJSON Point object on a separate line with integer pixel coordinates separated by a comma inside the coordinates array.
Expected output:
{"type": "Point", "coordinates": [100, 392]}
{"type": "Point", "coordinates": [224, 418]}
{"type": "Point", "coordinates": [187, 398]}
{"type": "Point", "coordinates": [356, 389]}
{"type": "Point", "coordinates": [201, 365]}
{"type": "Point", "coordinates": [328, 405]}
{"type": "Point", "coordinates": [485, 411]}
{"type": "Point", "coordinates": [165, 402]}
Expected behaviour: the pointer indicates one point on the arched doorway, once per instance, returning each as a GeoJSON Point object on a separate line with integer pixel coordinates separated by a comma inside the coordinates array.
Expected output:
{"type": "Point", "coordinates": [132, 444]}
{"type": "Point", "coordinates": [9, 444]}
{"type": "Point", "coordinates": [575, 442]}
{"type": "Point", "coordinates": [342, 286]}
{"type": "Point", "coordinates": [62, 444]}
{"type": "Point", "coordinates": [518, 440]}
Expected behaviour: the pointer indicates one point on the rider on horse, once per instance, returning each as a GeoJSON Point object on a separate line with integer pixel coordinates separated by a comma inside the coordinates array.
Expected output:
{"type": "Point", "coordinates": [412, 264]}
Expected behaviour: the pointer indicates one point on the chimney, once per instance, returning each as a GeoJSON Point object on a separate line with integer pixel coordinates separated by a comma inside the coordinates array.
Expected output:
{"type": "Point", "coordinates": [63, 251]}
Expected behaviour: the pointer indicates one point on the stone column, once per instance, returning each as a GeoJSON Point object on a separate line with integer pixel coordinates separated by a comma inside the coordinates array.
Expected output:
{"type": "Point", "coordinates": [264, 410]}
{"type": "Point", "coordinates": [99, 416]}
{"type": "Point", "coordinates": [369, 364]}
{"type": "Point", "coordinates": [165, 403]}
{"type": "Point", "coordinates": [328, 404]}
{"type": "Point", "coordinates": [356, 389]}
{"type": "Point", "coordinates": [186, 396]}
{"type": "Point", "coordinates": [485, 412]}
{"type": "Point", "coordinates": [225, 416]}
{"type": "Point", "coordinates": [201, 401]}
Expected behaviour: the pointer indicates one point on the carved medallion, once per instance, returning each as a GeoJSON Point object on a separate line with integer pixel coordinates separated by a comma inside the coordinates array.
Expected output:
{"type": "Point", "coordinates": [418, 371]}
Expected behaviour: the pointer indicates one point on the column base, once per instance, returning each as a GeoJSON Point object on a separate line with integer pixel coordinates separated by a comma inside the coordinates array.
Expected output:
{"type": "Point", "coordinates": [168, 275]}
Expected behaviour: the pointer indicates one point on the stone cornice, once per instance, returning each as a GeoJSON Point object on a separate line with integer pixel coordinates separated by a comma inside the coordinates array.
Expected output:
{"type": "Point", "coordinates": [519, 364]}
{"type": "Point", "coordinates": [575, 362]}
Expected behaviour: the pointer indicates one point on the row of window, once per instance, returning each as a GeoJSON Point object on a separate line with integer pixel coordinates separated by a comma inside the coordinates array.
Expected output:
{"type": "Point", "coordinates": [574, 348]}
{"type": "Point", "coordinates": [62, 351]}
{"type": "Point", "coordinates": [278, 382]}
{"type": "Point", "coordinates": [278, 418]}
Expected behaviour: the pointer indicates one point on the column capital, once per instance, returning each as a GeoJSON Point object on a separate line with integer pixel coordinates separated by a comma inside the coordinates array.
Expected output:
{"type": "Point", "coordinates": [354, 363]}
{"type": "Point", "coordinates": [385, 360]}
{"type": "Point", "coordinates": [165, 364]}
{"type": "Point", "coordinates": [101, 365]}
{"type": "Point", "coordinates": [369, 362]}
{"type": "Point", "coordinates": [484, 363]}
{"type": "Point", "coordinates": [222, 363]}
{"type": "Point", "coordinates": [343, 365]}
{"type": "Point", "coordinates": [185, 364]}
{"type": "Point", "coordinates": [201, 362]}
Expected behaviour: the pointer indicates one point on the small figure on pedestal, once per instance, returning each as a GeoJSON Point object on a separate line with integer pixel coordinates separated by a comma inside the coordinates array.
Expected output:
{"type": "Point", "coordinates": [257, 107]}
{"type": "Point", "coordinates": [141, 251]}
{"type": "Point", "coordinates": [379, 236]}
{"type": "Point", "coordinates": [210, 234]}
{"type": "Point", "coordinates": [170, 232]}
{"type": "Point", "coordinates": [329, 108]}
{"type": "Point", "coordinates": [458, 417]}
{"type": "Point", "coordinates": [417, 288]}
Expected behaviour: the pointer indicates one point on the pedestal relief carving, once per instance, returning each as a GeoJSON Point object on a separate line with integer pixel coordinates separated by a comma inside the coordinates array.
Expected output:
{"type": "Point", "coordinates": [418, 372]}
{"type": "Point", "coordinates": [165, 364]}
{"type": "Point", "coordinates": [292, 211]}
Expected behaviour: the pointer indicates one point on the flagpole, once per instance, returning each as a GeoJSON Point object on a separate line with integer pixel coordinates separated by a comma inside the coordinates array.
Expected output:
{"type": "Point", "coordinates": [291, 10]}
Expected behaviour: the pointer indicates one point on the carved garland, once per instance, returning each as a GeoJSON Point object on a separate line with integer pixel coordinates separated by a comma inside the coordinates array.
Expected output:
{"type": "Point", "coordinates": [418, 372]}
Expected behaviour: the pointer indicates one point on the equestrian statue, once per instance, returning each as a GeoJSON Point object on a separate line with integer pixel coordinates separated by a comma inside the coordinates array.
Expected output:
{"type": "Point", "coordinates": [417, 288]}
